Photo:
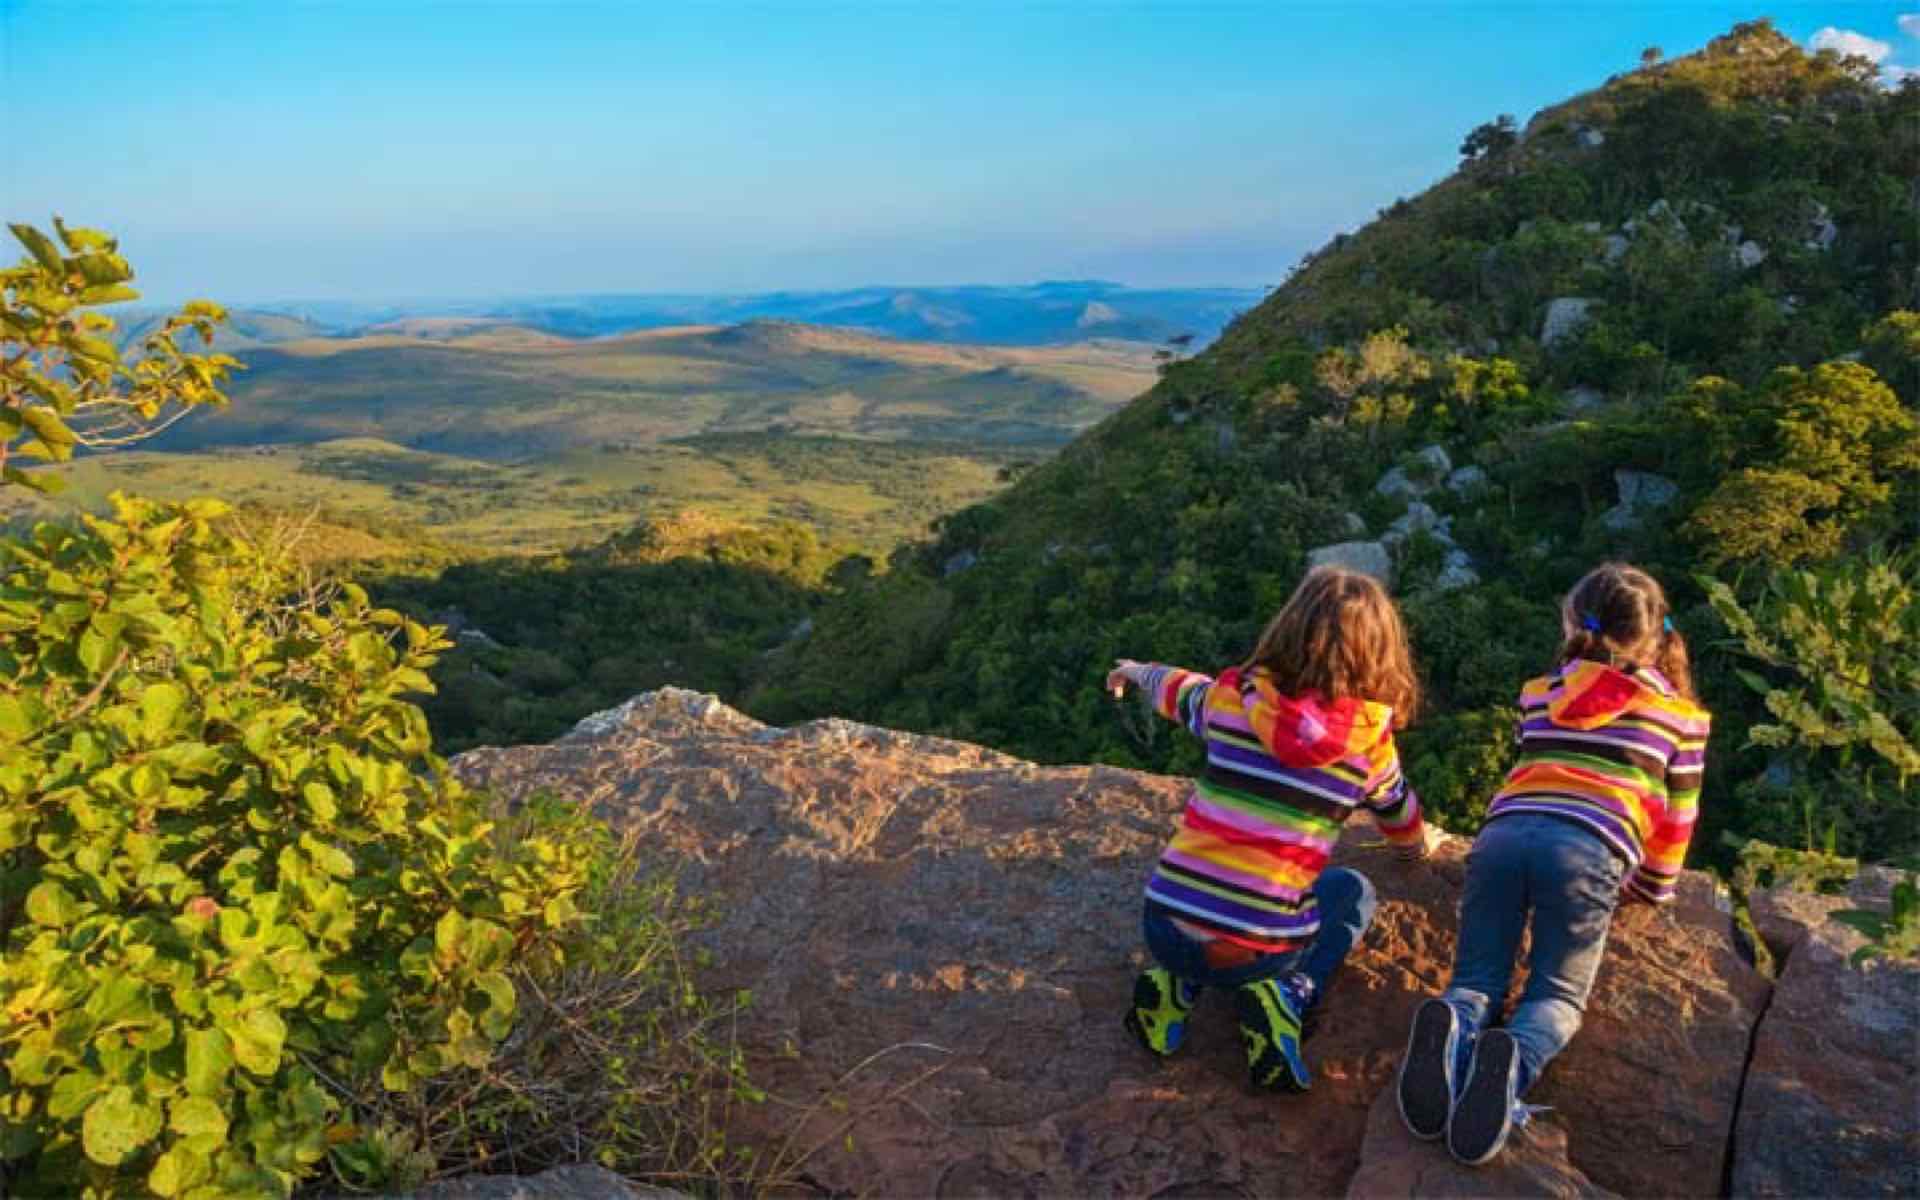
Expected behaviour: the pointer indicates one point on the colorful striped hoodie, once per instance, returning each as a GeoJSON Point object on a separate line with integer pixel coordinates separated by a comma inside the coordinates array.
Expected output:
{"type": "Point", "coordinates": [1283, 774]}
{"type": "Point", "coordinates": [1618, 751]}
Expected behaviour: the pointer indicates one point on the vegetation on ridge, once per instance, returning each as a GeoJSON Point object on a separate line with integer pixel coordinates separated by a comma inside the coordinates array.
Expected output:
{"type": "Point", "coordinates": [1717, 239]}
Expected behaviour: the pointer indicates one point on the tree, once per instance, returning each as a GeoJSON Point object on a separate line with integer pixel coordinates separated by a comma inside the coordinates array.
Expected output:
{"type": "Point", "coordinates": [1651, 56]}
{"type": "Point", "coordinates": [1491, 140]}
{"type": "Point", "coordinates": [1832, 443]}
{"type": "Point", "coordinates": [63, 382]}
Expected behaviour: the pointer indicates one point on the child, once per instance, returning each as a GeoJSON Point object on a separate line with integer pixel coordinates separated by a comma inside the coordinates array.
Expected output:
{"type": "Point", "coordinates": [1297, 738]}
{"type": "Point", "coordinates": [1598, 809]}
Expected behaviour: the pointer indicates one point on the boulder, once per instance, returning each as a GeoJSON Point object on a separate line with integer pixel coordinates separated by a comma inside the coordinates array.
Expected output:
{"type": "Point", "coordinates": [940, 940]}
{"type": "Point", "coordinates": [1640, 493]}
{"type": "Point", "coordinates": [1418, 475]}
{"type": "Point", "coordinates": [579, 1182]}
{"type": "Point", "coordinates": [1589, 137]}
{"type": "Point", "coordinates": [1394, 1165]}
{"type": "Point", "coordinates": [1749, 254]}
{"type": "Point", "coordinates": [1457, 572]}
{"type": "Point", "coordinates": [1830, 1092]}
{"type": "Point", "coordinates": [1369, 558]}
{"type": "Point", "coordinates": [1565, 316]}
{"type": "Point", "coordinates": [1419, 518]}
{"type": "Point", "coordinates": [1353, 524]}
{"type": "Point", "coordinates": [1615, 247]}
{"type": "Point", "coordinates": [955, 564]}
{"type": "Point", "coordinates": [1582, 399]}
{"type": "Point", "coordinates": [1821, 231]}
{"type": "Point", "coordinates": [1466, 479]}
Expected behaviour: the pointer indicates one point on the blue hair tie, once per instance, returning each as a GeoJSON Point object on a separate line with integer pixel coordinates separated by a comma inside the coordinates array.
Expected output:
{"type": "Point", "coordinates": [1666, 623]}
{"type": "Point", "coordinates": [1590, 623]}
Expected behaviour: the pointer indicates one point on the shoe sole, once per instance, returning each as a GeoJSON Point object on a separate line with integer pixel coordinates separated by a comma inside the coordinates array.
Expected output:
{"type": "Point", "coordinates": [1483, 1118]}
{"type": "Point", "coordinates": [1426, 1096]}
{"type": "Point", "coordinates": [1291, 1076]}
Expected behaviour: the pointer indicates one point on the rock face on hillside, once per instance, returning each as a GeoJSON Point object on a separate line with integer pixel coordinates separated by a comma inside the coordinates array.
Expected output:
{"type": "Point", "coordinates": [948, 937]}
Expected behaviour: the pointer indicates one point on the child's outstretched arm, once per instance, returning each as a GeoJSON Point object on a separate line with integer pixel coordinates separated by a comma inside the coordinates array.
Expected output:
{"type": "Point", "coordinates": [1176, 694]}
{"type": "Point", "coordinates": [1666, 851]}
{"type": "Point", "coordinates": [1394, 804]}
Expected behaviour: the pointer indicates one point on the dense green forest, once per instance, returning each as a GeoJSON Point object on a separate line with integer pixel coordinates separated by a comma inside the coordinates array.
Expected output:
{"type": "Point", "coordinates": [1673, 321]}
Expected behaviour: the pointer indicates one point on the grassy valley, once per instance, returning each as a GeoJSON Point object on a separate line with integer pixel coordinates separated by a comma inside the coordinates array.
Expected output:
{"type": "Point", "coordinates": [505, 439]}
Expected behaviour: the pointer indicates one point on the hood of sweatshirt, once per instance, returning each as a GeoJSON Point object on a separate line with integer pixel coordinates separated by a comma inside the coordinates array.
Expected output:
{"type": "Point", "coordinates": [1593, 694]}
{"type": "Point", "coordinates": [1307, 731]}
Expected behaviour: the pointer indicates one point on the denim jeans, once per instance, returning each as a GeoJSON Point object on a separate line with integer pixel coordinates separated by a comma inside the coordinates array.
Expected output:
{"type": "Point", "coordinates": [1570, 880]}
{"type": "Point", "coordinates": [1346, 901]}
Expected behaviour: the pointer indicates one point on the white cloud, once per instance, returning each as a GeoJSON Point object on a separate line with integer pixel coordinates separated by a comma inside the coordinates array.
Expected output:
{"type": "Point", "coordinates": [1892, 75]}
{"type": "Point", "coordinates": [1910, 24]}
{"type": "Point", "coordinates": [1847, 42]}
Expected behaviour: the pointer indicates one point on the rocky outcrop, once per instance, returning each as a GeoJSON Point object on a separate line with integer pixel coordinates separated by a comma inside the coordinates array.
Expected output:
{"type": "Point", "coordinates": [1368, 558]}
{"type": "Point", "coordinates": [580, 1182]}
{"type": "Point", "coordinates": [1641, 492]}
{"type": "Point", "coordinates": [940, 940]}
{"type": "Point", "coordinates": [1565, 317]}
{"type": "Point", "coordinates": [1832, 1099]}
{"type": "Point", "coordinates": [1416, 477]}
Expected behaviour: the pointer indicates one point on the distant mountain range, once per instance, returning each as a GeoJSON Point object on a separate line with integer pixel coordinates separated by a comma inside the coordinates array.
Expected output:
{"type": "Point", "coordinates": [1038, 314]}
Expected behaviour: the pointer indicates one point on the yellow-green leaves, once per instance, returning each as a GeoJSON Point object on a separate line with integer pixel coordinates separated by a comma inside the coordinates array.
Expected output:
{"type": "Point", "coordinates": [63, 381]}
{"type": "Point", "coordinates": [230, 837]}
{"type": "Point", "coordinates": [117, 1124]}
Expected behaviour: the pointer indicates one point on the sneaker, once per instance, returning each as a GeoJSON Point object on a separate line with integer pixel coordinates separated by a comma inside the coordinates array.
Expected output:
{"type": "Point", "coordinates": [1484, 1114]}
{"type": "Point", "coordinates": [1161, 1002]}
{"type": "Point", "coordinates": [1270, 1030]}
{"type": "Point", "coordinates": [1426, 1071]}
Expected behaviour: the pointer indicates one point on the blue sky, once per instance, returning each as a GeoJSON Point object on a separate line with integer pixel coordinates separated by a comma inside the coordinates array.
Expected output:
{"type": "Point", "coordinates": [252, 151]}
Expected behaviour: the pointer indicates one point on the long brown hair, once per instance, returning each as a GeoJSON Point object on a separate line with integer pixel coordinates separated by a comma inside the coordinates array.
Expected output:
{"type": "Point", "coordinates": [1341, 637]}
{"type": "Point", "coordinates": [1618, 614]}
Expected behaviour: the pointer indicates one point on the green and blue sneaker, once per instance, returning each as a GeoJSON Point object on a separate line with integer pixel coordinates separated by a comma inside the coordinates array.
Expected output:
{"type": "Point", "coordinates": [1161, 1002]}
{"type": "Point", "coordinates": [1270, 1030]}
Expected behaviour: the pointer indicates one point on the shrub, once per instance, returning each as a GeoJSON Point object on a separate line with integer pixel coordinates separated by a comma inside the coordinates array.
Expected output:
{"type": "Point", "coordinates": [235, 873]}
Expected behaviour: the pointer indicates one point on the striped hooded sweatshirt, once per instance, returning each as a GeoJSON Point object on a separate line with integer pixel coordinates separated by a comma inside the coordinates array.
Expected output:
{"type": "Point", "coordinates": [1620, 752]}
{"type": "Point", "coordinates": [1283, 775]}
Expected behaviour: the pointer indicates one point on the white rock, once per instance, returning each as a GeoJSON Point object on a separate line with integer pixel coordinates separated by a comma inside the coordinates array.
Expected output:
{"type": "Point", "coordinates": [1821, 231]}
{"type": "Point", "coordinates": [1457, 572]}
{"type": "Point", "coordinates": [1466, 479]}
{"type": "Point", "coordinates": [959, 562]}
{"type": "Point", "coordinates": [1590, 137]}
{"type": "Point", "coordinates": [1435, 460]}
{"type": "Point", "coordinates": [1615, 248]}
{"type": "Point", "coordinates": [1582, 399]}
{"type": "Point", "coordinates": [1419, 518]}
{"type": "Point", "coordinates": [1353, 524]}
{"type": "Point", "coordinates": [1640, 492]}
{"type": "Point", "coordinates": [1369, 558]}
{"type": "Point", "coordinates": [1565, 316]}
{"type": "Point", "coordinates": [1750, 254]}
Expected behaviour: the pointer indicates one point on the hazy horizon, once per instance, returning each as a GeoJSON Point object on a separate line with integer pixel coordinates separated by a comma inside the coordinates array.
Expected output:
{"type": "Point", "coordinates": [367, 154]}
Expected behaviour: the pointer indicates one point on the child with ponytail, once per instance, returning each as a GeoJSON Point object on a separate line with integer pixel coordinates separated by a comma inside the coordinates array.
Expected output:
{"type": "Point", "coordinates": [1598, 810]}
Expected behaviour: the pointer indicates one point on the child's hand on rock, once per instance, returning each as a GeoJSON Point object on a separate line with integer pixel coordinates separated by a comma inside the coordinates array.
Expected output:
{"type": "Point", "coordinates": [1123, 673]}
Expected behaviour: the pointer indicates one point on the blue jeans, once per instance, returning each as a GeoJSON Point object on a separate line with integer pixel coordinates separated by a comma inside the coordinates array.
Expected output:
{"type": "Point", "coordinates": [1570, 878]}
{"type": "Point", "coordinates": [1346, 901]}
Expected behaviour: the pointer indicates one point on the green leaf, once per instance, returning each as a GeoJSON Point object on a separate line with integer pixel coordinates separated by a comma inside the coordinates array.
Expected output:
{"type": "Point", "coordinates": [116, 1125]}
{"type": "Point", "coordinates": [257, 1038]}
{"type": "Point", "coordinates": [47, 483]}
{"type": "Point", "coordinates": [1753, 681]}
{"type": "Point", "coordinates": [40, 246]}
{"type": "Point", "coordinates": [51, 905]}
{"type": "Point", "coordinates": [19, 716]}
{"type": "Point", "coordinates": [209, 1061]}
{"type": "Point", "coordinates": [320, 802]}
{"type": "Point", "coordinates": [160, 707]}
{"type": "Point", "coordinates": [200, 1120]}
{"type": "Point", "coordinates": [51, 430]}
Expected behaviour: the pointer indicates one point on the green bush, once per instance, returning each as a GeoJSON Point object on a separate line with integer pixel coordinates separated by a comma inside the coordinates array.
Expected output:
{"type": "Point", "coordinates": [233, 874]}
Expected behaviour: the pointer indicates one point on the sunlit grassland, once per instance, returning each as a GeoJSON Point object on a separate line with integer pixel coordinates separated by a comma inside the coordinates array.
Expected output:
{"type": "Point", "coordinates": [873, 494]}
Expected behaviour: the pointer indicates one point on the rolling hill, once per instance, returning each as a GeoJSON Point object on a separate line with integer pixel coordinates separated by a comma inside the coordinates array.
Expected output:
{"type": "Point", "coordinates": [506, 393]}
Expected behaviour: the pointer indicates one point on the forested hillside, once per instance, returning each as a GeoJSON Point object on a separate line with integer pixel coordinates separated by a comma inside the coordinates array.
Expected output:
{"type": "Point", "coordinates": [1671, 320]}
